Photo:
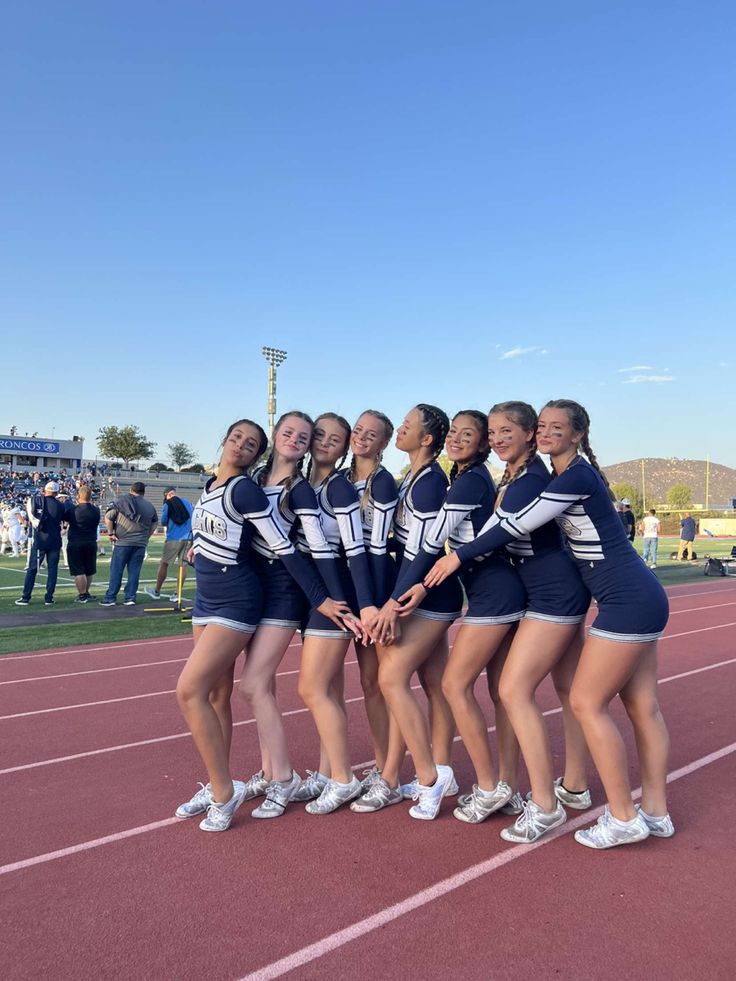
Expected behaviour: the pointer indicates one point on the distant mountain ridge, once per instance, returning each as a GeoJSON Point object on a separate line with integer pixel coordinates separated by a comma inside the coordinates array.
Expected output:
{"type": "Point", "coordinates": [661, 473]}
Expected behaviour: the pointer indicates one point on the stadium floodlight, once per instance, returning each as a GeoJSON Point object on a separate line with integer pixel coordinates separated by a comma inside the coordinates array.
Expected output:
{"type": "Point", "coordinates": [275, 357]}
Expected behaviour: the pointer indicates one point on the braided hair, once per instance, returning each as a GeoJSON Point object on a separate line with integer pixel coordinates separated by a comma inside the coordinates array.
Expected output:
{"type": "Point", "coordinates": [580, 422]}
{"type": "Point", "coordinates": [435, 423]}
{"type": "Point", "coordinates": [484, 449]}
{"type": "Point", "coordinates": [524, 415]}
{"type": "Point", "coordinates": [353, 470]}
{"type": "Point", "coordinates": [345, 426]}
{"type": "Point", "coordinates": [298, 474]}
{"type": "Point", "coordinates": [262, 438]}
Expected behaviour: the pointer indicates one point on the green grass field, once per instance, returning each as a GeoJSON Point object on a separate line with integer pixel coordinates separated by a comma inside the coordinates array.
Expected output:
{"type": "Point", "coordinates": [84, 631]}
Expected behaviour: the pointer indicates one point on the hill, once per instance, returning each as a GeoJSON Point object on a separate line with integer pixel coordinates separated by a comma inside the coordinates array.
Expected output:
{"type": "Point", "coordinates": [660, 474]}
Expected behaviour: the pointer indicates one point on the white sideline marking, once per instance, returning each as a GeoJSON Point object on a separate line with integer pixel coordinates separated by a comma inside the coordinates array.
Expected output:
{"type": "Point", "coordinates": [338, 939]}
{"type": "Point", "coordinates": [700, 609]}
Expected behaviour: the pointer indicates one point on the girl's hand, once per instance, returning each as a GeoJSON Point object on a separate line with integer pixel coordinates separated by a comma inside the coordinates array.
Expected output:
{"type": "Point", "coordinates": [342, 616]}
{"type": "Point", "coordinates": [441, 570]}
{"type": "Point", "coordinates": [369, 617]}
{"type": "Point", "coordinates": [411, 599]}
{"type": "Point", "coordinates": [190, 556]}
{"type": "Point", "coordinates": [387, 630]}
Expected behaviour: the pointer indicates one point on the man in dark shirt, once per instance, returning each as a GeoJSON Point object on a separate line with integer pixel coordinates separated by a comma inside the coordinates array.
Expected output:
{"type": "Point", "coordinates": [687, 536]}
{"type": "Point", "coordinates": [628, 519]}
{"type": "Point", "coordinates": [81, 552]}
{"type": "Point", "coordinates": [131, 521]}
{"type": "Point", "coordinates": [46, 515]}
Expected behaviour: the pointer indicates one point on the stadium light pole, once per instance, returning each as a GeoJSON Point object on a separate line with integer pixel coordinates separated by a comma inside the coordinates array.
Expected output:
{"type": "Point", "coordinates": [275, 357]}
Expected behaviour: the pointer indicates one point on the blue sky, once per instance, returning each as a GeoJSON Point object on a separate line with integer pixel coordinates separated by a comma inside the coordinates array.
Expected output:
{"type": "Point", "coordinates": [457, 202]}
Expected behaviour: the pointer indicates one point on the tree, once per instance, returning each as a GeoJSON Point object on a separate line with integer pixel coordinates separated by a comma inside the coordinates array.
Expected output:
{"type": "Point", "coordinates": [128, 443]}
{"type": "Point", "coordinates": [195, 468]}
{"type": "Point", "coordinates": [680, 497]}
{"type": "Point", "coordinates": [630, 492]}
{"type": "Point", "coordinates": [181, 455]}
{"type": "Point", "coordinates": [160, 468]}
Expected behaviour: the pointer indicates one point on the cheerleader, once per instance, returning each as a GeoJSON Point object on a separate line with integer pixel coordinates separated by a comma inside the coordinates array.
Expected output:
{"type": "Point", "coordinates": [422, 641]}
{"type": "Point", "coordinates": [496, 603]}
{"type": "Point", "coordinates": [620, 653]}
{"type": "Point", "coordinates": [324, 644]}
{"type": "Point", "coordinates": [378, 495]}
{"type": "Point", "coordinates": [284, 605]}
{"type": "Point", "coordinates": [227, 609]}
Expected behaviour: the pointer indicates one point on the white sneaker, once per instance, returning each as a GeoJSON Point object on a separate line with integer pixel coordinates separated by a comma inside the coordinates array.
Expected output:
{"type": "Point", "coordinates": [608, 832]}
{"type": "Point", "coordinates": [255, 786]}
{"type": "Point", "coordinates": [333, 796]}
{"type": "Point", "coordinates": [483, 803]}
{"type": "Point", "coordinates": [513, 806]}
{"type": "Point", "coordinates": [660, 827]}
{"type": "Point", "coordinates": [197, 805]}
{"type": "Point", "coordinates": [311, 786]}
{"type": "Point", "coordinates": [278, 796]}
{"type": "Point", "coordinates": [409, 790]}
{"type": "Point", "coordinates": [152, 593]}
{"type": "Point", "coordinates": [370, 776]}
{"type": "Point", "coordinates": [429, 798]}
{"type": "Point", "coordinates": [577, 801]}
{"type": "Point", "coordinates": [220, 816]}
{"type": "Point", "coordinates": [533, 822]}
{"type": "Point", "coordinates": [379, 796]}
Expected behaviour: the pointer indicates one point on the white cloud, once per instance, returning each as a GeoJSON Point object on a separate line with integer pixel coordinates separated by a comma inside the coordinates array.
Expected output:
{"type": "Point", "coordinates": [649, 379]}
{"type": "Point", "coordinates": [637, 367]}
{"type": "Point", "coordinates": [519, 352]}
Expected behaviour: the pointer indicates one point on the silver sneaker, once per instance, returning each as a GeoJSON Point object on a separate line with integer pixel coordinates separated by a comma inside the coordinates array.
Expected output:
{"type": "Point", "coordinates": [660, 827]}
{"type": "Point", "coordinates": [255, 786]}
{"type": "Point", "coordinates": [278, 796]}
{"type": "Point", "coordinates": [577, 801]}
{"type": "Point", "coordinates": [379, 796]}
{"type": "Point", "coordinates": [333, 796]}
{"type": "Point", "coordinates": [514, 805]}
{"type": "Point", "coordinates": [429, 799]}
{"type": "Point", "coordinates": [482, 804]}
{"type": "Point", "coordinates": [533, 822]}
{"type": "Point", "coordinates": [197, 805]}
{"type": "Point", "coordinates": [608, 832]}
{"type": "Point", "coordinates": [311, 786]}
{"type": "Point", "coordinates": [409, 790]}
{"type": "Point", "coordinates": [220, 816]}
{"type": "Point", "coordinates": [370, 776]}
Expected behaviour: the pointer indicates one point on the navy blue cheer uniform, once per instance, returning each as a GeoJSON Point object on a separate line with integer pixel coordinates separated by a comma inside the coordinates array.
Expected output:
{"type": "Point", "coordinates": [555, 591]}
{"type": "Point", "coordinates": [296, 511]}
{"type": "Point", "coordinates": [339, 508]}
{"type": "Point", "coordinates": [494, 590]}
{"type": "Point", "coordinates": [632, 606]}
{"type": "Point", "coordinates": [378, 499]}
{"type": "Point", "coordinates": [420, 501]}
{"type": "Point", "coordinates": [229, 590]}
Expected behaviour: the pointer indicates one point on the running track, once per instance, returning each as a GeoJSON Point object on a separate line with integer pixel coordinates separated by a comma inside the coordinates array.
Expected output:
{"type": "Point", "coordinates": [99, 881]}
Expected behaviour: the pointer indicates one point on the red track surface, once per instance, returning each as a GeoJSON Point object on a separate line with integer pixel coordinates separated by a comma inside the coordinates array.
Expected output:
{"type": "Point", "coordinates": [105, 755]}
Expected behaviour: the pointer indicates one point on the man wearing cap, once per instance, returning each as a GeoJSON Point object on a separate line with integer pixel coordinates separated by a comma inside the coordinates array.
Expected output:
{"type": "Point", "coordinates": [628, 519]}
{"type": "Point", "coordinates": [130, 521]}
{"type": "Point", "coordinates": [176, 518]}
{"type": "Point", "coordinates": [46, 515]}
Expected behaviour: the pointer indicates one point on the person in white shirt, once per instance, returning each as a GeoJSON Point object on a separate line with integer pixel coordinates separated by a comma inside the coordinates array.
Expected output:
{"type": "Point", "coordinates": [649, 527]}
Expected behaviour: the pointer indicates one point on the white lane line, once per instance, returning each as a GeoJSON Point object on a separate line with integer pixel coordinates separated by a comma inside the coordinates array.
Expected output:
{"type": "Point", "coordinates": [367, 764]}
{"type": "Point", "coordinates": [77, 674]}
{"type": "Point", "coordinates": [183, 638]}
{"type": "Point", "coordinates": [92, 650]}
{"type": "Point", "coordinates": [701, 609]}
{"type": "Point", "coordinates": [86, 846]}
{"type": "Point", "coordinates": [333, 941]}
{"type": "Point", "coordinates": [125, 698]}
{"type": "Point", "coordinates": [151, 742]}
{"type": "Point", "coordinates": [300, 711]}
